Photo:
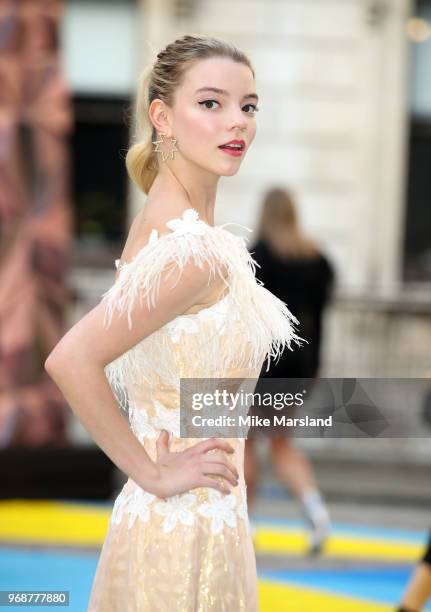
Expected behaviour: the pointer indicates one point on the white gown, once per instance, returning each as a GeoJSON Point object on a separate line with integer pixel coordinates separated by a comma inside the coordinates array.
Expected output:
{"type": "Point", "coordinates": [192, 552]}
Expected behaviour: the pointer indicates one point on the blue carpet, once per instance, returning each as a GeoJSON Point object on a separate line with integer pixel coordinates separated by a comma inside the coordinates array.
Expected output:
{"type": "Point", "coordinates": [378, 584]}
{"type": "Point", "coordinates": [29, 569]}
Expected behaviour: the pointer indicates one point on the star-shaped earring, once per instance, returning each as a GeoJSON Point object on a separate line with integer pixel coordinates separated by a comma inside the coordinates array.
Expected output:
{"type": "Point", "coordinates": [174, 148]}
{"type": "Point", "coordinates": [160, 142]}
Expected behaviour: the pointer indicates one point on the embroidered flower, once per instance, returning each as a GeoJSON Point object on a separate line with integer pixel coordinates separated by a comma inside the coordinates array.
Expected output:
{"type": "Point", "coordinates": [220, 509]}
{"type": "Point", "coordinates": [140, 424]}
{"type": "Point", "coordinates": [180, 509]}
{"type": "Point", "coordinates": [215, 310]}
{"type": "Point", "coordinates": [189, 223]}
{"type": "Point", "coordinates": [176, 508]}
{"type": "Point", "coordinates": [166, 418]}
{"type": "Point", "coordinates": [137, 506]}
{"type": "Point", "coordinates": [118, 509]}
{"type": "Point", "coordinates": [180, 324]}
{"type": "Point", "coordinates": [216, 313]}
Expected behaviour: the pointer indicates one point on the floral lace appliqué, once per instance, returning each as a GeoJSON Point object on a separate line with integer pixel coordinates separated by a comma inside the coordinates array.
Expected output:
{"type": "Point", "coordinates": [189, 324]}
{"type": "Point", "coordinates": [136, 505]}
{"type": "Point", "coordinates": [189, 223]}
{"type": "Point", "coordinates": [179, 325]}
{"type": "Point", "coordinates": [166, 418]}
{"type": "Point", "coordinates": [144, 426]}
{"type": "Point", "coordinates": [220, 509]}
{"type": "Point", "coordinates": [140, 424]}
{"type": "Point", "coordinates": [176, 508]}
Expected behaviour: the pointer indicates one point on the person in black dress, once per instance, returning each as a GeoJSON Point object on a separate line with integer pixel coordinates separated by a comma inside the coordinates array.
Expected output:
{"type": "Point", "coordinates": [293, 268]}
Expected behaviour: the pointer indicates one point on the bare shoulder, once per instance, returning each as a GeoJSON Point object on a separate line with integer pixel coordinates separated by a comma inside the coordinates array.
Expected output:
{"type": "Point", "coordinates": [154, 215]}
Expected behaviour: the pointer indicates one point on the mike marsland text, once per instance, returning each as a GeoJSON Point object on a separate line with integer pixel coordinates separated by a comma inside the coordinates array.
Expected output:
{"type": "Point", "coordinates": [256, 421]}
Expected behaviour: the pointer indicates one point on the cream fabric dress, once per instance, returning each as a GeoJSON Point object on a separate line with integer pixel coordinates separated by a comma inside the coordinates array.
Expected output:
{"type": "Point", "coordinates": [191, 552]}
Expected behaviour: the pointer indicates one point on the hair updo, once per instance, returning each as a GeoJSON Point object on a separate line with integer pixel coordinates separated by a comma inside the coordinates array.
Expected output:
{"type": "Point", "coordinates": [161, 81]}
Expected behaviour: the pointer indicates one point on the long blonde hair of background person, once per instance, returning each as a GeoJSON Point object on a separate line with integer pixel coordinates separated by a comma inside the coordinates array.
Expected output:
{"type": "Point", "coordinates": [280, 229]}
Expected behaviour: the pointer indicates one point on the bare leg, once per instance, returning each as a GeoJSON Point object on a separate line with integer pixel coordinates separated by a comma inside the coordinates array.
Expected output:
{"type": "Point", "coordinates": [295, 471]}
{"type": "Point", "coordinates": [418, 589]}
{"type": "Point", "coordinates": [292, 467]}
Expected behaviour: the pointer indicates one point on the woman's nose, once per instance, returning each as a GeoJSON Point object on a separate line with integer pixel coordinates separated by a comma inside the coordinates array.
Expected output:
{"type": "Point", "coordinates": [239, 122]}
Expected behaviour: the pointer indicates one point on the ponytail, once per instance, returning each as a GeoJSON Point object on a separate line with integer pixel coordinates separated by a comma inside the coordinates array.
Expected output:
{"type": "Point", "coordinates": [141, 160]}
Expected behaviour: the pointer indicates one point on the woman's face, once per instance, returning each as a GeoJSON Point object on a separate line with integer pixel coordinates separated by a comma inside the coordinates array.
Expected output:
{"type": "Point", "coordinates": [203, 120]}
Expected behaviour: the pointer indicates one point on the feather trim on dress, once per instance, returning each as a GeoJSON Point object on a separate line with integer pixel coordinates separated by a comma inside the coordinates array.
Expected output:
{"type": "Point", "coordinates": [239, 331]}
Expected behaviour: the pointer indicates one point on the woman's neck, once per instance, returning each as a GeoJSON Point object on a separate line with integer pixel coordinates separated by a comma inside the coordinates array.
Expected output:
{"type": "Point", "coordinates": [198, 194]}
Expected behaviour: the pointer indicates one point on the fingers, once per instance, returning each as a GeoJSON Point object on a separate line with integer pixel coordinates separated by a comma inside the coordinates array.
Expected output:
{"type": "Point", "coordinates": [212, 443]}
{"type": "Point", "coordinates": [162, 444]}
{"type": "Point", "coordinates": [219, 469]}
{"type": "Point", "coordinates": [219, 457]}
{"type": "Point", "coordinates": [207, 481]}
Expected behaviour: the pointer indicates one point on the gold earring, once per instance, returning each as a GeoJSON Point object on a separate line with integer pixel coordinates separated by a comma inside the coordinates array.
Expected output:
{"type": "Point", "coordinates": [160, 142]}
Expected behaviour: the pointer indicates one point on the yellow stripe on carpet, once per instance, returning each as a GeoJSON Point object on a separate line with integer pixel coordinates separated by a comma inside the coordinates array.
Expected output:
{"type": "Point", "coordinates": [275, 596]}
{"type": "Point", "coordinates": [279, 541]}
{"type": "Point", "coordinates": [53, 522]}
{"type": "Point", "coordinates": [85, 525]}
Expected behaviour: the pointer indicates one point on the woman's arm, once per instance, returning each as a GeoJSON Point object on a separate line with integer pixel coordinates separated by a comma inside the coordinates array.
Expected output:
{"type": "Point", "coordinates": [77, 366]}
{"type": "Point", "coordinates": [88, 393]}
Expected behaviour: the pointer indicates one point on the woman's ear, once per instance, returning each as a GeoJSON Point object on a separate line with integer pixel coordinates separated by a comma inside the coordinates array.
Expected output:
{"type": "Point", "coordinates": [159, 117]}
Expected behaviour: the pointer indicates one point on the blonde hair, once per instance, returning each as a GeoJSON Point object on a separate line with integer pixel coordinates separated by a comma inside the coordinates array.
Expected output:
{"type": "Point", "coordinates": [160, 81]}
{"type": "Point", "coordinates": [279, 226]}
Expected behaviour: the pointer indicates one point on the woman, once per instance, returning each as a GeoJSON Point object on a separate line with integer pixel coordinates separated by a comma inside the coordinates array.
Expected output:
{"type": "Point", "coordinates": [294, 269]}
{"type": "Point", "coordinates": [178, 537]}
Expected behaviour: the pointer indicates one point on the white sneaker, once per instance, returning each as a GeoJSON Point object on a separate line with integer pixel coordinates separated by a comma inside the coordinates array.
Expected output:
{"type": "Point", "coordinates": [320, 529]}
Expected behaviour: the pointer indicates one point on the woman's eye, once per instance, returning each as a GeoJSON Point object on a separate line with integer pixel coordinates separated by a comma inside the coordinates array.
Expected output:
{"type": "Point", "coordinates": [255, 109]}
{"type": "Point", "coordinates": [208, 102]}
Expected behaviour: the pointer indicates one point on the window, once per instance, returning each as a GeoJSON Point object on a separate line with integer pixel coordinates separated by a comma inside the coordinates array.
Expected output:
{"type": "Point", "coordinates": [99, 54]}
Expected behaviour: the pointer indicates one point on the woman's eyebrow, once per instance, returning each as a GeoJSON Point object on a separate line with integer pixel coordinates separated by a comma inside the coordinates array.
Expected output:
{"type": "Point", "coordinates": [254, 96]}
